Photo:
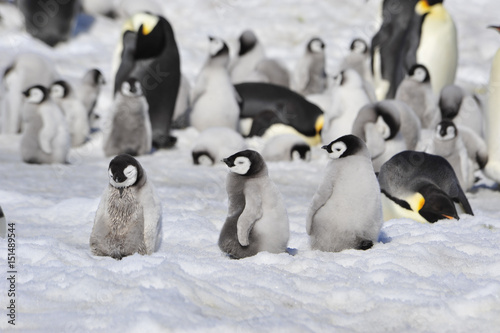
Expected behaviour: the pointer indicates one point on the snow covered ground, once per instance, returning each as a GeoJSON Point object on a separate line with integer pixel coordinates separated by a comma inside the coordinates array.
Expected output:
{"type": "Point", "coordinates": [442, 277]}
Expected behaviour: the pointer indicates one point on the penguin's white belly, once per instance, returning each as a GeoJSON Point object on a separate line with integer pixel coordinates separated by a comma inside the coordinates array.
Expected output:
{"type": "Point", "coordinates": [438, 50]}
{"type": "Point", "coordinates": [492, 169]}
{"type": "Point", "coordinates": [217, 106]}
{"type": "Point", "coordinates": [272, 229]}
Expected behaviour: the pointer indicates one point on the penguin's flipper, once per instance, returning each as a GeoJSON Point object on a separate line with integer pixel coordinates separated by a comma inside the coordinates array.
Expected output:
{"type": "Point", "coordinates": [251, 214]}
{"type": "Point", "coordinates": [462, 199]}
{"type": "Point", "coordinates": [320, 198]}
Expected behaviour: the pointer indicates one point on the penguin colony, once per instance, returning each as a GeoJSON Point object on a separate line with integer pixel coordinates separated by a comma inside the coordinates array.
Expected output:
{"type": "Point", "coordinates": [403, 139]}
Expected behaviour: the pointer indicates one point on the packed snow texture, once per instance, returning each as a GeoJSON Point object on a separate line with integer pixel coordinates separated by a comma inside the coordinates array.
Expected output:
{"type": "Point", "coordinates": [442, 277]}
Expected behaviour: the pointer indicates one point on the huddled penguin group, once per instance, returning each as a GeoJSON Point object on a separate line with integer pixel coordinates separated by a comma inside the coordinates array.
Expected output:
{"type": "Point", "coordinates": [402, 138]}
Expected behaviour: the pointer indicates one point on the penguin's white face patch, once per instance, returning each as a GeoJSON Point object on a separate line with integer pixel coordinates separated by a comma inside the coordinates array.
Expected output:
{"type": "Point", "coordinates": [450, 133]}
{"type": "Point", "coordinates": [338, 148]}
{"type": "Point", "coordinates": [35, 96]}
{"type": "Point", "coordinates": [215, 46]}
{"type": "Point", "coordinates": [127, 89]}
{"type": "Point", "coordinates": [359, 47]}
{"type": "Point", "coordinates": [241, 165]}
{"type": "Point", "coordinates": [130, 173]}
{"type": "Point", "coordinates": [57, 91]}
{"type": "Point", "coordinates": [383, 128]}
{"type": "Point", "coordinates": [419, 74]}
{"type": "Point", "coordinates": [316, 46]}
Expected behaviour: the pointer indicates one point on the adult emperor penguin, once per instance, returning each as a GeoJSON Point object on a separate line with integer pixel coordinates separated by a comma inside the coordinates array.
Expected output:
{"type": "Point", "coordinates": [45, 138]}
{"type": "Point", "coordinates": [74, 111]}
{"type": "Point", "coordinates": [128, 218]}
{"type": "Point", "coordinates": [416, 91]}
{"type": "Point", "coordinates": [348, 96]}
{"type": "Point", "coordinates": [50, 21]}
{"type": "Point", "coordinates": [387, 58]}
{"type": "Point", "coordinates": [252, 65]}
{"type": "Point", "coordinates": [437, 43]}
{"type": "Point", "coordinates": [128, 129]}
{"type": "Point", "coordinates": [216, 143]}
{"type": "Point", "coordinates": [27, 70]}
{"type": "Point", "coordinates": [346, 211]}
{"type": "Point", "coordinates": [149, 53]}
{"type": "Point", "coordinates": [270, 109]}
{"type": "Point", "coordinates": [214, 99]}
{"type": "Point", "coordinates": [286, 147]}
{"type": "Point", "coordinates": [309, 76]}
{"type": "Point", "coordinates": [257, 219]}
{"type": "Point", "coordinates": [492, 169]}
{"type": "Point", "coordinates": [422, 187]}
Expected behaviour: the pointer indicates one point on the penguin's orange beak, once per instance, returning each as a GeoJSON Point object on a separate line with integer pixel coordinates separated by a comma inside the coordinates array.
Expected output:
{"type": "Point", "coordinates": [496, 27]}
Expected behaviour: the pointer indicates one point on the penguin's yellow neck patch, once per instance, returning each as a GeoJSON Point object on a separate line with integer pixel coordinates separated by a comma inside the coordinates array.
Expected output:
{"type": "Point", "coordinates": [422, 7]}
{"type": "Point", "coordinates": [416, 202]}
{"type": "Point", "coordinates": [320, 122]}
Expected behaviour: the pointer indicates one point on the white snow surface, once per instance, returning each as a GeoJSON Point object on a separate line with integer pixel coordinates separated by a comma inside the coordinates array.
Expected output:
{"type": "Point", "coordinates": [442, 277]}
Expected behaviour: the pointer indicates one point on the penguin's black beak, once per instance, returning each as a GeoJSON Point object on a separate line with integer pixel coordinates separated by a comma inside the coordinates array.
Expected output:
{"type": "Point", "coordinates": [325, 147]}
{"type": "Point", "coordinates": [210, 38]}
{"type": "Point", "coordinates": [228, 162]}
{"type": "Point", "coordinates": [496, 27]}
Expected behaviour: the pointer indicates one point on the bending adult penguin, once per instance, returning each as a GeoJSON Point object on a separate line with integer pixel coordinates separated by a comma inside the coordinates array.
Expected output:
{"type": "Point", "coordinates": [50, 21]}
{"type": "Point", "coordinates": [149, 53]}
{"type": "Point", "coordinates": [216, 143]}
{"type": "Point", "coordinates": [252, 65]}
{"type": "Point", "coordinates": [387, 58]}
{"type": "Point", "coordinates": [128, 130]}
{"type": "Point", "coordinates": [46, 137]}
{"type": "Point", "coordinates": [128, 218]}
{"type": "Point", "coordinates": [257, 219]}
{"type": "Point", "coordinates": [74, 111]}
{"type": "Point", "coordinates": [416, 91]}
{"type": "Point", "coordinates": [492, 169]}
{"type": "Point", "coordinates": [214, 100]}
{"type": "Point", "coordinates": [286, 147]}
{"type": "Point", "coordinates": [437, 47]}
{"type": "Point", "coordinates": [270, 110]}
{"type": "Point", "coordinates": [309, 76]}
{"type": "Point", "coordinates": [422, 187]}
{"type": "Point", "coordinates": [346, 211]}
{"type": "Point", "coordinates": [27, 70]}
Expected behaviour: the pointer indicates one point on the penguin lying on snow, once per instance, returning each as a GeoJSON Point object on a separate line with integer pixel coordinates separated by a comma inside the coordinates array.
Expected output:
{"type": "Point", "coordinates": [286, 147]}
{"type": "Point", "coordinates": [128, 129]}
{"type": "Point", "coordinates": [422, 187]}
{"type": "Point", "coordinates": [346, 211]}
{"type": "Point", "coordinates": [215, 143]}
{"type": "Point", "coordinates": [257, 219]}
{"type": "Point", "coordinates": [273, 109]}
{"type": "Point", "coordinates": [149, 53]}
{"type": "Point", "coordinates": [45, 138]}
{"type": "Point", "coordinates": [128, 218]}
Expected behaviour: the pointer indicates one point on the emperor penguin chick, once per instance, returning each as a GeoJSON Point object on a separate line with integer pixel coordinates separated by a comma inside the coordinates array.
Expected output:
{"type": "Point", "coordinates": [346, 211]}
{"type": "Point", "coordinates": [128, 218]}
{"type": "Point", "coordinates": [257, 219]}
{"type": "Point", "coordinates": [309, 76]}
{"type": "Point", "coordinates": [89, 90]}
{"type": "Point", "coordinates": [214, 98]}
{"type": "Point", "coordinates": [286, 147]}
{"type": "Point", "coordinates": [129, 128]}
{"type": "Point", "coordinates": [75, 112]}
{"type": "Point", "coordinates": [46, 136]}
{"type": "Point", "coordinates": [215, 143]}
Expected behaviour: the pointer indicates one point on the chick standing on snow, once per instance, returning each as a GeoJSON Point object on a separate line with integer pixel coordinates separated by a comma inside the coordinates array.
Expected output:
{"type": "Point", "coordinates": [128, 129]}
{"type": "Point", "coordinates": [310, 74]}
{"type": "Point", "coordinates": [214, 98]}
{"type": "Point", "coordinates": [346, 211]}
{"type": "Point", "coordinates": [128, 219]}
{"type": "Point", "coordinates": [257, 219]}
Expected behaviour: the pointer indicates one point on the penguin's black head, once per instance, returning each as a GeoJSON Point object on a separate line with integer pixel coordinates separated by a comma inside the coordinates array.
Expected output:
{"type": "Point", "coordinates": [316, 45]}
{"type": "Point", "coordinates": [446, 130]}
{"type": "Point", "coordinates": [151, 36]}
{"type": "Point", "coordinates": [217, 47]}
{"type": "Point", "coordinates": [202, 157]}
{"type": "Point", "coordinates": [434, 2]}
{"type": "Point", "coordinates": [60, 89]}
{"type": "Point", "coordinates": [450, 101]}
{"type": "Point", "coordinates": [124, 171]}
{"type": "Point", "coordinates": [388, 121]}
{"type": "Point", "coordinates": [359, 46]}
{"type": "Point", "coordinates": [94, 77]}
{"type": "Point", "coordinates": [131, 87]}
{"type": "Point", "coordinates": [419, 73]}
{"type": "Point", "coordinates": [248, 40]}
{"type": "Point", "coordinates": [36, 94]}
{"type": "Point", "coordinates": [344, 146]}
{"type": "Point", "coordinates": [245, 163]}
{"type": "Point", "coordinates": [436, 204]}
{"type": "Point", "coordinates": [300, 151]}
